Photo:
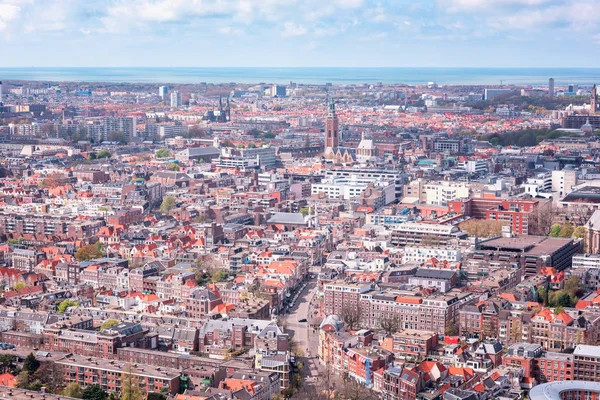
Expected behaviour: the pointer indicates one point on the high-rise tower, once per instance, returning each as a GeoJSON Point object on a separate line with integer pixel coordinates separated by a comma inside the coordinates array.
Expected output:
{"type": "Point", "coordinates": [332, 138]}
{"type": "Point", "coordinates": [594, 100]}
{"type": "Point", "coordinates": [551, 87]}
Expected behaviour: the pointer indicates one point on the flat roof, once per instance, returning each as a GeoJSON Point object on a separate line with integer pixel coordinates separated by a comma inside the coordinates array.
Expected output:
{"type": "Point", "coordinates": [553, 390]}
{"type": "Point", "coordinates": [587, 350]}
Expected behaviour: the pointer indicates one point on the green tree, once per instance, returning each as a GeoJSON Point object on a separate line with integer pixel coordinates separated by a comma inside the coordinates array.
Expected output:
{"type": "Point", "coordinates": [19, 285]}
{"type": "Point", "coordinates": [167, 205]}
{"type": "Point", "coordinates": [62, 307]}
{"type": "Point", "coordinates": [103, 154]}
{"type": "Point", "coordinates": [72, 390]}
{"type": "Point", "coordinates": [94, 392]}
{"type": "Point", "coordinates": [564, 300]}
{"type": "Point", "coordinates": [579, 232]}
{"type": "Point", "coordinates": [555, 230]}
{"type": "Point", "coordinates": [88, 252]}
{"type": "Point", "coordinates": [162, 153]}
{"type": "Point", "coordinates": [219, 275]}
{"type": "Point", "coordinates": [130, 389]}
{"type": "Point", "coordinates": [23, 380]}
{"type": "Point", "coordinates": [174, 167]}
{"type": "Point", "coordinates": [31, 364]}
{"type": "Point", "coordinates": [7, 363]}
{"type": "Point", "coordinates": [566, 230]}
{"type": "Point", "coordinates": [109, 323]}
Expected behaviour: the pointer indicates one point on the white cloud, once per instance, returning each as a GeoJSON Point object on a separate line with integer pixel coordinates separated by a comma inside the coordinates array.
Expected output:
{"type": "Point", "coordinates": [293, 29]}
{"type": "Point", "coordinates": [8, 13]}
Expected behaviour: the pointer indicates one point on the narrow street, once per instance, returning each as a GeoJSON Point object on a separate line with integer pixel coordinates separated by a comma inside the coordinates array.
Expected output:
{"type": "Point", "coordinates": [302, 332]}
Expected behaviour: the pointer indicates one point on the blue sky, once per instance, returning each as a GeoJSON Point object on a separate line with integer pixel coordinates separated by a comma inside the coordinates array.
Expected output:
{"type": "Point", "coordinates": [386, 33]}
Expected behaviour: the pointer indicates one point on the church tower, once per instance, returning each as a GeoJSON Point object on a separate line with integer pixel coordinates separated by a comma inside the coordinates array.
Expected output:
{"type": "Point", "coordinates": [594, 101]}
{"type": "Point", "coordinates": [331, 128]}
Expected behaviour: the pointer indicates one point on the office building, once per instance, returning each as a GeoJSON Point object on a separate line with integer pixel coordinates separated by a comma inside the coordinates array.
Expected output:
{"type": "Point", "coordinates": [551, 87]}
{"type": "Point", "coordinates": [163, 91]}
{"type": "Point", "coordinates": [489, 94]}
{"type": "Point", "coordinates": [278, 91]}
{"type": "Point", "coordinates": [352, 187]}
{"type": "Point", "coordinates": [414, 233]}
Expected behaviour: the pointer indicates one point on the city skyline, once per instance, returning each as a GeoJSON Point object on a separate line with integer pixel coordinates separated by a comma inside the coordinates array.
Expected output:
{"type": "Point", "coordinates": [353, 33]}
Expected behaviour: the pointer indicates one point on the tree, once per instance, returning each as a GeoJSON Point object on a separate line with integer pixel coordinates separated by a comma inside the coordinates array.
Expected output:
{"type": "Point", "coordinates": [55, 179]}
{"type": "Point", "coordinates": [72, 390]}
{"type": "Point", "coordinates": [162, 153]}
{"type": "Point", "coordinates": [65, 304]}
{"type": "Point", "coordinates": [574, 286]}
{"type": "Point", "coordinates": [219, 275]}
{"type": "Point", "coordinates": [516, 332]}
{"type": "Point", "coordinates": [23, 380]}
{"type": "Point", "coordinates": [579, 232]}
{"type": "Point", "coordinates": [351, 315]}
{"type": "Point", "coordinates": [390, 323]}
{"type": "Point", "coordinates": [540, 223]}
{"type": "Point", "coordinates": [130, 388]}
{"type": "Point", "coordinates": [167, 205]}
{"type": "Point", "coordinates": [19, 285]}
{"type": "Point", "coordinates": [555, 230]}
{"type": "Point", "coordinates": [94, 392]}
{"type": "Point", "coordinates": [117, 136]}
{"type": "Point", "coordinates": [103, 154]}
{"type": "Point", "coordinates": [88, 252]}
{"type": "Point", "coordinates": [353, 390]}
{"type": "Point", "coordinates": [564, 300]}
{"type": "Point", "coordinates": [109, 323]}
{"type": "Point", "coordinates": [7, 363]}
{"type": "Point", "coordinates": [580, 212]}
{"type": "Point", "coordinates": [482, 228]}
{"type": "Point", "coordinates": [227, 143]}
{"type": "Point", "coordinates": [174, 167]}
{"type": "Point", "coordinates": [51, 376]}
{"type": "Point", "coordinates": [566, 230]}
{"type": "Point", "coordinates": [31, 364]}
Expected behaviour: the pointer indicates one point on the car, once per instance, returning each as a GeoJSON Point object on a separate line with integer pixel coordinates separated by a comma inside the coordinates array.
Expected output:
{"type": "Point", "coordinates": [302, 320]}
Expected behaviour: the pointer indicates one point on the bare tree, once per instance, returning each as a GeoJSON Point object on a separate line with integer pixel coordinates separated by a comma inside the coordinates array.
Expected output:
{"type": "Point", "coordinates": [353, 390]}
{"type": "Point", "coordinates": [580, 212]}
{"type": "Point", "coordinates": [351, 315]}
{"type": "Point", "coordinates": [542, 219]}
{"type": "Point", "coordinates": [390, 323]}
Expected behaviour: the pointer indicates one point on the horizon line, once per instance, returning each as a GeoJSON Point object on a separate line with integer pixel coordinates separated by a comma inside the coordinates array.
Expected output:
{"type": "Point", "coordinates": [290, 67]}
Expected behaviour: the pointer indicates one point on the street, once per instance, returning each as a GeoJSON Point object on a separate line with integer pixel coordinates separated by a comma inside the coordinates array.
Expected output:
{"type": "Point", "coordinates": [301, 332]}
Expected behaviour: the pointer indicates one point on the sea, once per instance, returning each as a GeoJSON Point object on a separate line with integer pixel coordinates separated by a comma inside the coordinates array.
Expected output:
{"type": "Point", "coordinates": [305, 75]}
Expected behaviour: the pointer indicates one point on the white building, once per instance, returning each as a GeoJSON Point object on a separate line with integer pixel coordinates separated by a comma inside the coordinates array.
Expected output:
{"type": "Point", "coordinates": [563, 181]}
{"type": "Point", "coordinates": [586, 261]}
{"type": "Point", "coordinates": [474, 166]}
{"type": "Point", "coordinates": [353, 186]}
{"type": "Point", "coordinates": [435, 192]}
{"type": "Point", "coordinates": [421, 254]}
{"type": "Point", "coordinates": [176, 99]}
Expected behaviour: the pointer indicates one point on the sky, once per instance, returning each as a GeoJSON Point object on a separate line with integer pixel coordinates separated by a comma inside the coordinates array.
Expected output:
{"type": "Point", "coordinates": [300, 33]}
